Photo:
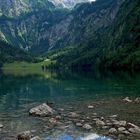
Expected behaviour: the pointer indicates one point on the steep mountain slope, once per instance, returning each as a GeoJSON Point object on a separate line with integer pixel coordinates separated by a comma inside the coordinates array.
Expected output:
{"type": "Point", "coordinates": [12, 8]}
{"type": "Point", "coordinates": [9, 53]}
{"type": "Point", "coordinates": [104, 40]}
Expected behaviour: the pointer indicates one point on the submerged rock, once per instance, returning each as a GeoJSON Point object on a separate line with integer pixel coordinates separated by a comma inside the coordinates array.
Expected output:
{"type": "Point", "coordinates": [24, 135]}
{"type": "Point", "coordinates": [87, 126]}
{"type": "Point", "coordinates": [73, 115]}
{"type": "Point", "coordinates": [42, 110]}
{"type": "Point", "coordinates": [119, 123]}
{"type": "Point", "coordinates": [134, 130]}
{"type": "Point", "coordinates": [131, 125]}
{"type": "Point", "coordinates": [99, 123]}
{"type": "Point", "coordinates": [127, 100]}
{"type": "Point", "coordinates": [90, 107]}
{"type": "Point", "coordinates": [79, 124]}
{"type": "Point", "coordinates": [113, 116]}
{"type": "Point", "coordinates": [112, 131]}
{"type": "Point", "coordinates": [1, 126]}
{"type": "Point", "coordinates": [137, 100]}
{"type": "Point", "coordinates": [121, 129]}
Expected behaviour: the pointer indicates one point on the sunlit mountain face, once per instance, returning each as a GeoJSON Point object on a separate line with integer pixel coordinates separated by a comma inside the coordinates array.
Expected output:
{"type": "Point", "coordinates": [68, 3]}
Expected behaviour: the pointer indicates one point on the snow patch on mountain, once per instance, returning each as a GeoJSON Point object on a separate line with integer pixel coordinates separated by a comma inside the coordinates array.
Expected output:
{"type": "Point", "coordinates": [68, 3]}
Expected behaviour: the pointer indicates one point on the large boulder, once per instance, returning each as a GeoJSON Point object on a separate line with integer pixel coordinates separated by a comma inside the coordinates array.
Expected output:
{"type": "Point", "coordinates": [42, 110]}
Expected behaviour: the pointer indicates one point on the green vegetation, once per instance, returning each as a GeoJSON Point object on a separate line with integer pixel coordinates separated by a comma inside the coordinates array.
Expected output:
{"type": "Point", "coordinates": [10, 54]}
{"type": "Point", "coordinates": [114, 47]}
{"type": "Point", "coordinates": [25, 68]}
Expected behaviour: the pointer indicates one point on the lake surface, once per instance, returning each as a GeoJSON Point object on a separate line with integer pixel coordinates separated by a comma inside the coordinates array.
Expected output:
{"type": "Point", "coordinates": [70, 92]}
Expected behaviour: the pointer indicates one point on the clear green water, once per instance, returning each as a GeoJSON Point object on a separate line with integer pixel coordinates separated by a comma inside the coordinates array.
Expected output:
{"type": "Point", "coordinates": [72, 92]}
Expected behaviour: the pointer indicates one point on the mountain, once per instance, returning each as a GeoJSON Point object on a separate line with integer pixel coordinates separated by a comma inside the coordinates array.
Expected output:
{"type": "Point", "coordinates": [12, 8]}
{"type": "Point", "coordinates": [104, 34]}
{"type": "Point", "coordinates": [68, 3]}
{"type": "Point", "coordinates": [46, 28]}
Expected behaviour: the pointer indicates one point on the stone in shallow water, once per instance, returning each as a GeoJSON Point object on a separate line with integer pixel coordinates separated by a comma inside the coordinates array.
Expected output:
{"type": "Point", "coordinates": [127, 100]}
{"type": "Point", "coordinates": [134, 130]}
{"type": "Point", "coordinates": [41, 110]}
{"type": "Point", "coordinates": [87, 126]}
{"type": "Point", "coordinates": [90, 107]}
{"type": "Point", "coordinates": [73, 115]}
{"type": "Point", "coordinates": [99, 123]}
{"type": "Point", "coordinates": [121, 129]}
{"type": "Point", "coordinates": [137, 100]}
{"type": "Point", "coordinates": [24, 135]}
{"type": "Point", "coordinates": [112, 131]}
{"type": "Point", "coordinates": [1, 126]}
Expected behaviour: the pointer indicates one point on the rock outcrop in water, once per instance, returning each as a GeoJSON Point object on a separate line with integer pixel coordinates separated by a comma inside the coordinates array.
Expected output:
{"type": "Point", "coordinates": [27, 135]}
{"type": "Point", "coordinates": [42, 110]}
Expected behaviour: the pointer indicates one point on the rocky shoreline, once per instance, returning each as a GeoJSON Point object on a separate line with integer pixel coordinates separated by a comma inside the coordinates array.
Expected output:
{"type": "Point", "coordinates": [110, 126]}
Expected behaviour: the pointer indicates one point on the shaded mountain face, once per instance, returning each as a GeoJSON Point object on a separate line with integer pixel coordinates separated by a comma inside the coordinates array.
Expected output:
{"type": "Point", "coordinates": [107, 37]}
{"type": "Point", "coordinates": [39, 26]}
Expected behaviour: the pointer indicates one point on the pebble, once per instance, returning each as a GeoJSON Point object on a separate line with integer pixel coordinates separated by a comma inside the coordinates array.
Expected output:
{"type": "Point", "coordinates": [112, 131]}
{"type": "Point", "coordinates": [87, 126]}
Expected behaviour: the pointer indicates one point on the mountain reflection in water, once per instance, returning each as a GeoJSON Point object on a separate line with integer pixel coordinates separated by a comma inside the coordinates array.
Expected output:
{"type": "Point", "coordinates": [89, 137]}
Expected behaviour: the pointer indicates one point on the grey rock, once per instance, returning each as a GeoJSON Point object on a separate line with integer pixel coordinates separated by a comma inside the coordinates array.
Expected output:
{"type": "Point", "coordinates": [99, 123]}
{"type": "Point", "coordinates": [120, 123]}
{"type": "Point", "coordinates": [87, 126]}
{"type": "Point", "coordinates": [58, 117]}
{"type": "Point", "coordinates": [121, 129]}
{"type": "Point", "coordinates": [134, 130]}
{"type": "Point", "coordinates": [41, 110]}
{"type": "Point", "coordinates": [73, 115]}
{"type": "Point", "coordinates": [131, 125]}
{"type": "Point", "coordinates": [137, 100]}
{"type": "Point", "coordinates": [79, 124]}
{"type": "Point", "coordinates": [127, 100]}
{"type": "Point", "coordinates": [24, 135]}
{"type": "Point", "coordinates": [112, 131]}
{"type": "Point", "coordinates": [113, 116]}
{"type": "Point", "coordinates": [1, 126]}
{"type": "Point", "coordinates": [90, 107]}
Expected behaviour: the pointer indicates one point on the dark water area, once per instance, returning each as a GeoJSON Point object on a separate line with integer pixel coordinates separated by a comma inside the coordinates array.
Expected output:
{"type": "Point", "coordinates": [70, 91]}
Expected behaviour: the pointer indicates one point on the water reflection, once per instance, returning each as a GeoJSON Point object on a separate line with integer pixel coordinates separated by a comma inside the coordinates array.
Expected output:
{"type": "Point", "coordinates": [19, 93]}
{"type": "Point", "coordinates": [88, 137]}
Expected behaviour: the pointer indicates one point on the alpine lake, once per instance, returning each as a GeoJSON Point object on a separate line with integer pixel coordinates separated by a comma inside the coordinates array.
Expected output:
{"type": "Point", "coordinates": [83, 102]}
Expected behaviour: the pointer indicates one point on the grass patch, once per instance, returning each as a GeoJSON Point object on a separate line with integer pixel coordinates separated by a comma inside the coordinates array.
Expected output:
{"type": "Point", "coordinates": [25, 68]}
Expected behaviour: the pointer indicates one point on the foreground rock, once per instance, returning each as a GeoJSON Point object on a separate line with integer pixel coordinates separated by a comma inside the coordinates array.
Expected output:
{"type": "Point", "coordinates": [1, 126]}
{"type": "Point", "coordinates": [112, 131]}
{"type": "Point", "coordinates": [137, 100]}
{"type": "Point", "coordinates": [42, 110]}
{"type": "Point", "coordinates": [24, 135]}
{"type": "Point", "coordinates": [87, 127]}
{"type": "Point", "coordinates": [99, 123]}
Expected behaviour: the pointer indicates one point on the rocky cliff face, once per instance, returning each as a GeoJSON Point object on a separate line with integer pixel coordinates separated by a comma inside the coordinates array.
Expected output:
{"type": "Point", "coordinates": [37, 26]}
